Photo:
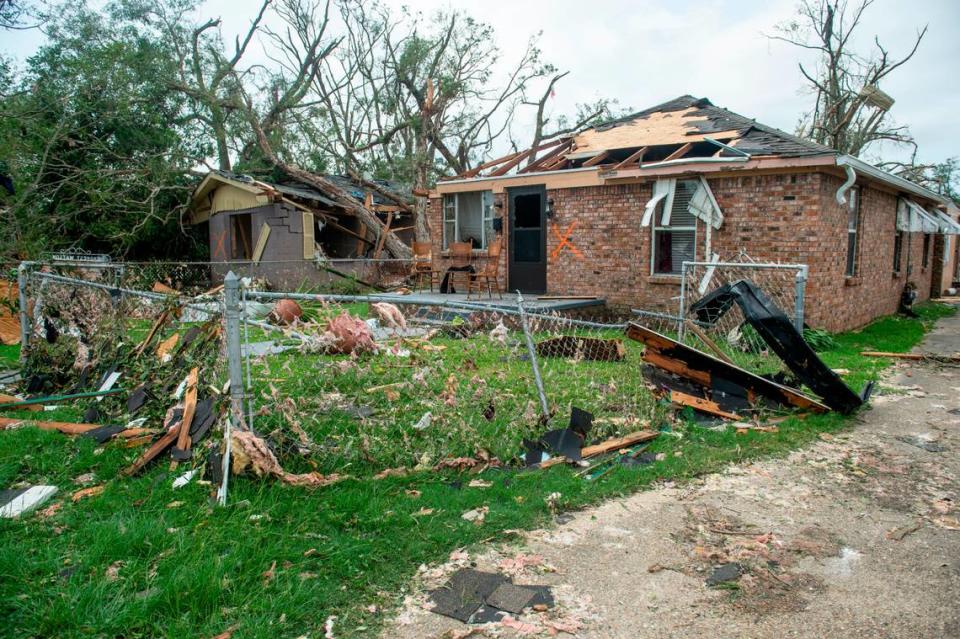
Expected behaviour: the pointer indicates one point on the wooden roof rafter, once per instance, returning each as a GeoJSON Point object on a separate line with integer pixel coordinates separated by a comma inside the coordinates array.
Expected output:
{"type": "Point", "coordinates": [597, 159]}
{"type": "Point", "coordinates": [634, 158]}
{"type": "Point", "coordinates": [509, 165]}
{"type": "Point", "coordinates": [679, 153]}
{"type": "Point", "coordinates": [548, 159]}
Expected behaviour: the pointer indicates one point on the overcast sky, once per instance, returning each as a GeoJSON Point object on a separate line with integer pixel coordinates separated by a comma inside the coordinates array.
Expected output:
{"type": "Point", "coordinates": [643, 52]}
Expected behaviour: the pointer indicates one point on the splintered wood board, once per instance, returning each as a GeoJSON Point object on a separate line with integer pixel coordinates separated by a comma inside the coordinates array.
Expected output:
{"type": "Point", "coordinates": [700, 367]}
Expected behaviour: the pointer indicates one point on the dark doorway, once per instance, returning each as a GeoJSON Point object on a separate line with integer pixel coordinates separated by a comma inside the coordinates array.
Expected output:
{"type": "Point", "coordinates": [240, 240]}
{"type": "Point", "coordinates": [528, 246]}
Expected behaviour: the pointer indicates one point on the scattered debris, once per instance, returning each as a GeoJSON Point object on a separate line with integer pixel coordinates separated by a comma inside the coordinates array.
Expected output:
{"type": "Point", "coordinates": [477, 515]}
{"type": "Point", "coordinates": [897, 534]}
{"type": "Point", "coordinates": [83, 493]}
{"type": "Point", "coordinates": [922, 442]}
{"type": "Point", "coordinates": [780, 333]}
{"type": "Point", "coordinates": [252, 453]}
{"type": "Point", "coordinates": [285, 312]}
{"type": "Point", "coordinates": [476, 597]}
{"type": "Point", "coordinates": [389, 314]}
{"type": "Point", "coordinates": [349, 334]}
{"type": "Point", "coordinates": [424, 422]}
{"type": "Point", "coordinates": [725, 573]}
{"type": "Point", "coordinates": [21, 501]}
{"type": "Point", "coordinates": [582, 348]}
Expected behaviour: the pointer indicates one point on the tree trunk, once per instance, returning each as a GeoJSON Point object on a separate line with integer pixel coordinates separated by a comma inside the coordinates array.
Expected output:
{"type": "Point", "coordinates": [420, 178]}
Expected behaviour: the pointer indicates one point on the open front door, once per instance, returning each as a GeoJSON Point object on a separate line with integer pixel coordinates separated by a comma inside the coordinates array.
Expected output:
{"type": "Point", "coordinates": [528, 239]}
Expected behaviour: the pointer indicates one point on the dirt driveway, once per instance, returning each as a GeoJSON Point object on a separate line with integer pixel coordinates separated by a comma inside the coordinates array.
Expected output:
{"type": "Point", "coordinates": [857, 536]}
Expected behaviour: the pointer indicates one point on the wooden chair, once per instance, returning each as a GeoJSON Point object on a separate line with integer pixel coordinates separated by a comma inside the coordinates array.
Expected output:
{"type": "Point", "coordinates": [461, 254]}
{"type": "Point", "coordinates": [423, 267]}
{"type": "Point", "coordinates": [488, 276]}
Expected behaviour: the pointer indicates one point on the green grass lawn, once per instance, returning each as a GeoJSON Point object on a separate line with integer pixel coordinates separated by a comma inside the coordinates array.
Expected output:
{"type": "Point", "coordinates": [143, 560]}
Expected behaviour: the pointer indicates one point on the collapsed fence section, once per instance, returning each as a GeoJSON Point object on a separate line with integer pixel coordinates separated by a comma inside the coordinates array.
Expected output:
{"type": "Point", "coordinates": [727, 333]}
{"type": "Point", "coordinates": [407, 381]}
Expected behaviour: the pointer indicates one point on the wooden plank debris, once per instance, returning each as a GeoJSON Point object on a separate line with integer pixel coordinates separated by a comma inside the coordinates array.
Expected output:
{"type": "Point", "coordinates": [607, 446]}
{"type": "Point", "coordinates": [189, 409]}
{"type": "Point", "coordinates": [913, 356]}
{"type": "Point", "coordinates": [700, 367]}
{"type": "Point", "coordinates": [26, 500]}
{"type": "Point", "coordinates": [701, 404]}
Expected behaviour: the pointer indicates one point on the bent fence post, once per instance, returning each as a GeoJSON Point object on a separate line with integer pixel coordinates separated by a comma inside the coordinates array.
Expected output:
{"type": "Point", "coordinates": [800, 284]}
{"type": "Point", "coordinates": [22, 276]}
{"type": "Point", "coordinates": [231, 315]}
{"type": "Point", "coordinates": [533, 358]}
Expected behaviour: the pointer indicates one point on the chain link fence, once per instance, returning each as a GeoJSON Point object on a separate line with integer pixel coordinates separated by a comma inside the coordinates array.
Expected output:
{"type": "Point", "coordinates": [783, 284]}
{"type": "Point", "coordinates": [365, 384]}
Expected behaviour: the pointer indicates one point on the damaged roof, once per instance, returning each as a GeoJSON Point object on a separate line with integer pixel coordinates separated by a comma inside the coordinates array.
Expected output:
{"type": "Point", "coordinates": [689, 119]}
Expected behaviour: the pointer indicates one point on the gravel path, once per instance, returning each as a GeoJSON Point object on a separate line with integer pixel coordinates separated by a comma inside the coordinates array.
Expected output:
{"type": "Point", "coordinates": [856, 536]}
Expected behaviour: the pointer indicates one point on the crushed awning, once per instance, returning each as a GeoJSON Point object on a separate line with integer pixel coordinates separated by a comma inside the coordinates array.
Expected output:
{"type": "Point", "coordinates": [948, 226]}
{"type": "Point", "coordinates": [912, 218]}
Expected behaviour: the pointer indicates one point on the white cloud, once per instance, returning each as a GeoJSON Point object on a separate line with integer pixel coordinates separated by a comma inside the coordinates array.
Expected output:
{"type": "Point", "coordinates": [643, 52]}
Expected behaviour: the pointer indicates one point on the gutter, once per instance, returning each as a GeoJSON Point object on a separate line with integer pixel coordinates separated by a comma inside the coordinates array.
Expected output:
{"type": "Point", "coordinates": [848, 162]}
{"type": "Point", "coordinates": [491, 178]}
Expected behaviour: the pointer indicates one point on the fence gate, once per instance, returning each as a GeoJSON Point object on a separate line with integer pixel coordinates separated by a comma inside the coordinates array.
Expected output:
{"type": "Point", "coordinates": [784, 284]}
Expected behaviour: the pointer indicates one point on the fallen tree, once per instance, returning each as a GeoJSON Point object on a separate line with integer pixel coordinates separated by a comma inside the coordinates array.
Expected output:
{"type": "Point", "coordinates": [391, 243]}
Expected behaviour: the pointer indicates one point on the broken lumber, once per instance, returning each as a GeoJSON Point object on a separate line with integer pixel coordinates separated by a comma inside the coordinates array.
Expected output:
{"type": "Point", "coordinates": [913, 356]}
{"type": "Point", "coordinates": [585, 348]}
{"type": "Point", "coordinates": [12, 399]}
{"type": "Point", "coordinates": [700, 367]}
{"type": "Point", "coordinates": [67, 428]}
{"type": "Point", "coordinates": [701, 404]}
{"type": "Point", "coordinates": [607, 446]}
{"type": "Point", "coordinates": [161, 320]}
{"type": "Point", "coordinates": [189, 408]}
{"type": "Point", "coordinates": [158, 447]}
{"type": "Point", "coordinates": [702, 334]}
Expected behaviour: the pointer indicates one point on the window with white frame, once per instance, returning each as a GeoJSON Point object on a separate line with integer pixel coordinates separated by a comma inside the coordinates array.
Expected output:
{"type": "Point", "coordinates": [674, 230]}
{"type": "Point", "coordinates": [853, 230]}
{"type": "Point", "coordinates": [468, 217]}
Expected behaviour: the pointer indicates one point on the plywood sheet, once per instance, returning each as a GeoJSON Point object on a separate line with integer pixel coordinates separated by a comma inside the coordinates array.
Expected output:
{"type": "Point", "coordinates": [674, 127]}
{"type": "Point", "coordinates": [308, 239]}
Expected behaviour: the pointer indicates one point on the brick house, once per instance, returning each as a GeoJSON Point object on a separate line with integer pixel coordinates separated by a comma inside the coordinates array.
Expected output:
{"type": "Point", "coordinates": [614, 211]}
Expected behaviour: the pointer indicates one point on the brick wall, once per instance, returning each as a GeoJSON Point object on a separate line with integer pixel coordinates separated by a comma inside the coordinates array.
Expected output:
{"type": "Point", "coordinates": [778, 218]}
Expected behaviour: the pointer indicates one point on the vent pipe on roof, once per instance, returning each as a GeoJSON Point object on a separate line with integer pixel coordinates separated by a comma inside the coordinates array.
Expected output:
{"type": "Point", "coordinates": [842, 191]}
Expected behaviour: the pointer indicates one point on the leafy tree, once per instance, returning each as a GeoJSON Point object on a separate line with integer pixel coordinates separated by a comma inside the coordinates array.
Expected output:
{"type": "Point", "coordinates": [95, 144]}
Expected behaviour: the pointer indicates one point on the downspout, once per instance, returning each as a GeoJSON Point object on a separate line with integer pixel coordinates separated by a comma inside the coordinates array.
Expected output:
{"type": "Point", "coordinates": [842, 191]}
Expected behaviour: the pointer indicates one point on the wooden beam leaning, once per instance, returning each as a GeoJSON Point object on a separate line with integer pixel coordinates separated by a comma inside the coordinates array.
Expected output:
{"type": "Point", "coordinates": [597, 159]}
{"type": "Point", "coordinates": [679, 153]}
{"type": "Point", "coordinates": [634, 158]}
{"type": "Point", "coordinates": [549, 158]}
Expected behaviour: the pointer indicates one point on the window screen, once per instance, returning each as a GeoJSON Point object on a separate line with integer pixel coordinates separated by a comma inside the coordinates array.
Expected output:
{"type": "Point", "coordinates": [926, 250]}
{"type": "Point", "coordinates": [675, 242]}
{"type": "Point", "coordinates": [897, 250]}
{"type": "Point", "coordinates": [853, 230]}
